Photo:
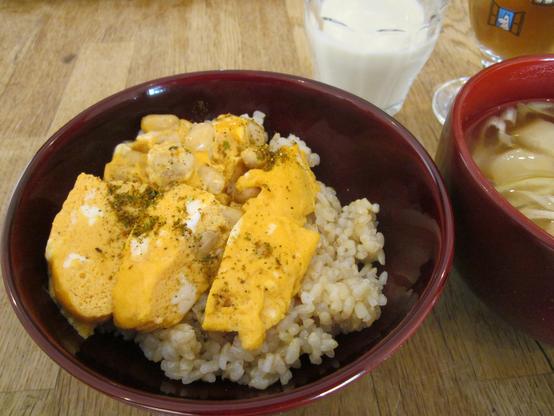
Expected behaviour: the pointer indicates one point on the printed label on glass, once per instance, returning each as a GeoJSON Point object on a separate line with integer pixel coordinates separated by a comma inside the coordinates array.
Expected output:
{"type": "Point", "coordinates": [506, 19]}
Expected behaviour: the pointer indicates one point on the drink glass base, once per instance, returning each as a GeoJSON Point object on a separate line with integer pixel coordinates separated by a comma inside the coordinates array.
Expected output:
{"type": "Point", "coordinates": [444, 97]}
{"type": "Point", "coordinates": [488, 57]}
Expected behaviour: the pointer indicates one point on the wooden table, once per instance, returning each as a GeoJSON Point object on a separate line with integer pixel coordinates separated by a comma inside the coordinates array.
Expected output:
{"type": "Point", "coordinates": [57, 58]}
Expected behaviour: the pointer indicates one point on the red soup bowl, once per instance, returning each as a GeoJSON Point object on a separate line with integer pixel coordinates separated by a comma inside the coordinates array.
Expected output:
{"type": "Point", "coordinates": [364, 153]}
{"type": "Point", "coordinates": [505, 258]}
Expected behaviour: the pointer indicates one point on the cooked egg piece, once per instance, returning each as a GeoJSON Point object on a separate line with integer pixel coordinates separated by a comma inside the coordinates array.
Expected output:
{"type": "Point", "coordinates": [168, 266]}
{"type": "Point", "coordinates": [169, 163]}
{"type": "Point", "coordinates": [289, 187]}
{"type": "Point", "coordinates": [159, 122]}
{"type": "Point", "coordinates": [84, 252]}
{"type": "Point", "coordinates": [263, 264]}
{"type": "Point", "coordinates": [160, 128]}
{"type": "Point", "coordinates": [242, 131]}
{"type": "Point", "coordinates": [233, 135]}
{"type": "Point", "coordinates": [127, 165]}
{"type": "Point", "coordinates": [129, 161]}
{"type": "Point", "coordinates": [268, 251]}
{"type": "Point", "coordinates": [233, 128]}
{"type": "Point", "coordinates": [169, 150]}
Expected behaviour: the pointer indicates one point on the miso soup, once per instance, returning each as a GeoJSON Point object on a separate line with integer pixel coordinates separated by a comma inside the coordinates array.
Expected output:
{"type": "Point", "coordinates": [515, 150]}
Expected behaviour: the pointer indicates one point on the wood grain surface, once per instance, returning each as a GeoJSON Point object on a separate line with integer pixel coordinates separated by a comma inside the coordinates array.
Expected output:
{"type": "Point", "coordinates": [58, 57]}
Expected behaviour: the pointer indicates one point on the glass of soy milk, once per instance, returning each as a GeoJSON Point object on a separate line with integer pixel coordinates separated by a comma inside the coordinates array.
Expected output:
{"type": "Point", "coordinates": [372, 48]}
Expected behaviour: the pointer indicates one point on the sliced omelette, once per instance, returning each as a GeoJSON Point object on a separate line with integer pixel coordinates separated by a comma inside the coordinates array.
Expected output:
{"type": "Point", "coordinates": [170, 259]}
{"type": "Point", "coordinates": [162, 229]}
{"type": "Point", "coordinates": [83, 253]}
{"type": "Point", "coordinates": [268, 251]}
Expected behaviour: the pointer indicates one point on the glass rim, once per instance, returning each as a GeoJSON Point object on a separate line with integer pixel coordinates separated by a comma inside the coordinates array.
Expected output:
{"type": "Point", "coordinates": [433, 21]}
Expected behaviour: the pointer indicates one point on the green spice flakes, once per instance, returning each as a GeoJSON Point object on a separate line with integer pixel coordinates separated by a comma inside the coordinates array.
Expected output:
{"type": "Point", "coordinates": [130, 204]}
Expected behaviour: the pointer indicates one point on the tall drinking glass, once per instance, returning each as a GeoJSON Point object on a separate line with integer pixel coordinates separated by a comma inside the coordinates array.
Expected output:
{"type": "Point", "coordinates": [503, 29]}
{"type": "Point", "coordinates": [372, 48]}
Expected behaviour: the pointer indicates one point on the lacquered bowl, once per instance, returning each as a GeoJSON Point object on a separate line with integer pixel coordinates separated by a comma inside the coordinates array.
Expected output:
{"type": "Point", "coordinates": [505, 258]}
{"type": "Point", "coordinates": [364, 153]}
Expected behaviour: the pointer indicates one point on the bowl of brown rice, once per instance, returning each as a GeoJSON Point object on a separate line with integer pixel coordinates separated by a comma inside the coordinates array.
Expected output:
{"type": "Point", "coordinates": [383, 256]}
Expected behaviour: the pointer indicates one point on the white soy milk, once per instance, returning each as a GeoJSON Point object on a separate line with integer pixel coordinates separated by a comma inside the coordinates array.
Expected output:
{"type": "Point", "coordinates": [372, 48]}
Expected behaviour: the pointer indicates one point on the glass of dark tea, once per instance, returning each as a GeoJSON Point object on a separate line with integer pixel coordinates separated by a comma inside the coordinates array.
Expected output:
{"type": "Point", "coordinates": [503, 29]}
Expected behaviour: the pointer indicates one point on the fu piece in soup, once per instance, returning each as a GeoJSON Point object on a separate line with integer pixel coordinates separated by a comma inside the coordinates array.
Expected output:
{"type": "Point", "coordinates": [515, 151]}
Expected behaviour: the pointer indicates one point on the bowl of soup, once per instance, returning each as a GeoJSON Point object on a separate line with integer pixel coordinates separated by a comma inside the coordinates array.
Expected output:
{"type": "Point", "coordinates": [497, 156]}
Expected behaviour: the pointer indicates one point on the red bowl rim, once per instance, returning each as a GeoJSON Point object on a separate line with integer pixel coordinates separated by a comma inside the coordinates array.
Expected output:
{"type": "Point", "coordinates": [461, 145]}
{"type": "Point", "coordinates": [279, 401]}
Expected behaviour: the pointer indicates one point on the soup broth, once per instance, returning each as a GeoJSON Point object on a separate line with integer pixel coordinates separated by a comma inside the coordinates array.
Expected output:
{"type": "Point", "coordinates": [515, 150]}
